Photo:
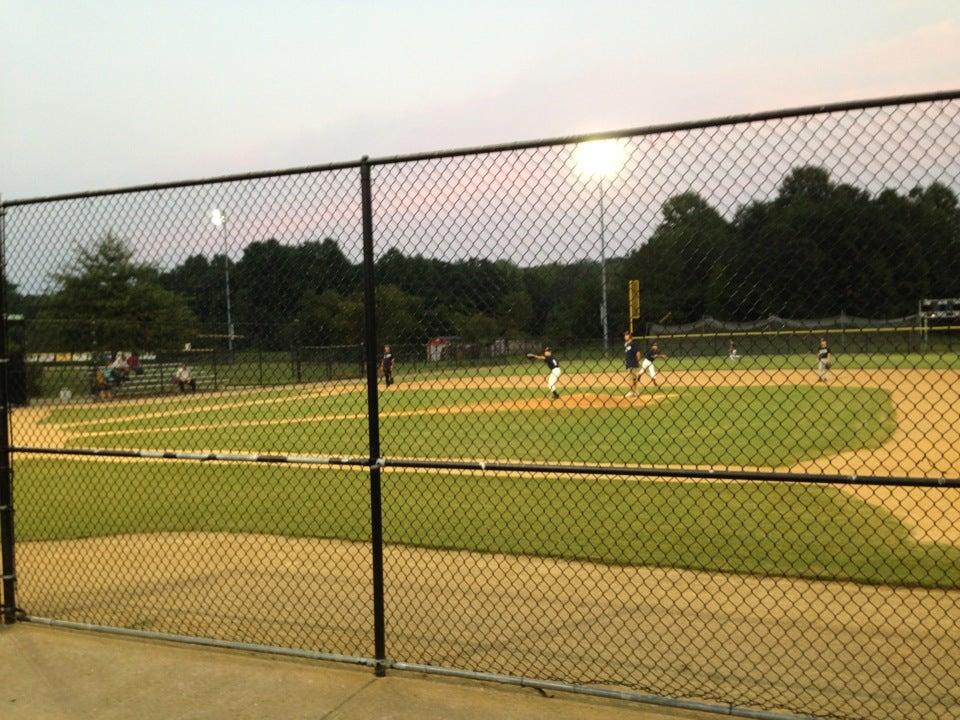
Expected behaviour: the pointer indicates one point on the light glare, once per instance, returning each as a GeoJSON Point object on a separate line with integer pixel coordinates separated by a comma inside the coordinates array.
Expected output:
{"type": "Point", "coordinates": [600, 158]}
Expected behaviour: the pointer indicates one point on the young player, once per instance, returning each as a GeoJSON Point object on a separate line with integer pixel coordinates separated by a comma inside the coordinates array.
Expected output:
{"type": "Point", "coordinates": [649, 357]}
{"type": "Point", "coordinates": [733, 356]}
{"type": "Point", "coordinates": [386, 364]}
{"type": "Point", "coordinates": [823, 360]}
{"type": "Point", "coordinates": [631, 358]}
{"type": "Point", "coordinates": [555, 371]}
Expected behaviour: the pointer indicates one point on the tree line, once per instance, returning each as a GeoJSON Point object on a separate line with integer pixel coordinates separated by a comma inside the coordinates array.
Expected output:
{"type": "Point", "coordinates": [815, 249]}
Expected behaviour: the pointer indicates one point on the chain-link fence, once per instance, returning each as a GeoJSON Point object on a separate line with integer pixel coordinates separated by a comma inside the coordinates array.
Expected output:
{"type": "Point", "coordinates": [671, 414]}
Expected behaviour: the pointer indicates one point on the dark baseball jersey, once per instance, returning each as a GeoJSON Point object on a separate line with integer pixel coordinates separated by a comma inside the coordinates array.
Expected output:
{"type": "Point", "coordinates": [651, 353]}
{"type": "Point", "coordinates": [823, 354]}
{"type": "Point", "coordinates": [631, 350]}
{"type": "Point", "coordinates": [551, 362]}
{"type": "Point", "coordinates": [388, 361]}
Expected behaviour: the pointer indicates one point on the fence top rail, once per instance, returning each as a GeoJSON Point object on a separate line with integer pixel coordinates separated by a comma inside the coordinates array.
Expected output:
{"type": "Point", "coordinates": [794, 112]}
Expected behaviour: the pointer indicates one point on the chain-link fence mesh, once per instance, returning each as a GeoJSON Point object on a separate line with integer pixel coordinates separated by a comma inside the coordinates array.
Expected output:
{"type": "Point", "coordinates": [673, 412]}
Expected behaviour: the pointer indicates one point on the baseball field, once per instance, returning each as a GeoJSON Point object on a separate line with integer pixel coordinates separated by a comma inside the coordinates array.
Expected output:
{"type": "Point", "coordinates": [709, 589]}
{"type": "Point", "coordinates": [878, 421]}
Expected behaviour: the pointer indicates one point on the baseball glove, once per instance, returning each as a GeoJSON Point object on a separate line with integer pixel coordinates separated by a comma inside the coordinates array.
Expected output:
{"type": "Point", "coordinates": [531, 356]}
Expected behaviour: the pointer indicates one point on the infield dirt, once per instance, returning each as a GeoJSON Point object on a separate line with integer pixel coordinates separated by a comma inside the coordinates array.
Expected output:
{"type": "Point", "coordinates": [693, 634]}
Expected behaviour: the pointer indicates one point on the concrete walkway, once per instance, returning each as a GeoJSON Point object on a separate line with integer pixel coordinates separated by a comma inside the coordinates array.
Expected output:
{"type": "Point", "coordinates": [57, 674]}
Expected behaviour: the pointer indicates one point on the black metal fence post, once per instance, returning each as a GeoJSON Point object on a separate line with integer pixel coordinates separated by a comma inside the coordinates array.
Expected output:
{"type": "Point", "coordinates": [297, 352]}
{"type": "Point", "coordinates": [373, 416]}
{"type": "Point", "coordinates": [216, 366]}
{"type": "Point", "coordinates": [260, 357]}
{"type": "Point", "coordinates": [6, 473]}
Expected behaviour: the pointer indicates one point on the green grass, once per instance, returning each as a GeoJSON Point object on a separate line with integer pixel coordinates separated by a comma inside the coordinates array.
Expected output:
{"type": "Point", "coordinates": [273, 368]}
{"type": "Point", "coordinates": [758, 528]}
{"type": "Point", "coordinates": [700, 426]}
{"type": "Point", "coordinates": [791, 530]}
{"type": "Point", "coordinates": [127, 408]}
{"type": "Point", "coordinates": [726, 426]}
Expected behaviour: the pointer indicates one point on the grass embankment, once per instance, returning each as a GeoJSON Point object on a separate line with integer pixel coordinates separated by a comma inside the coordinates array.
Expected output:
{"type": "Point", "coordinates": [792, 530]}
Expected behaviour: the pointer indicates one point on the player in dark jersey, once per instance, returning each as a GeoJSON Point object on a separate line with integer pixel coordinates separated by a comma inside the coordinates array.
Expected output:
{"type": "Point", "coordinates": [631, 358]}
{"type": "Point", "coordinates": [386, 364]}
{"type": "Point", "coordinates": [823, 360]}
{"type": "Point", "coordinates": [554, 367]}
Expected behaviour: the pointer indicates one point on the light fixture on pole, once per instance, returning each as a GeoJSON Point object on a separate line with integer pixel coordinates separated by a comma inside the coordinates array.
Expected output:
{"type": "Point", "coordinates": [601, 159]}
{"type": "Point", "coordinates": [218, 218]}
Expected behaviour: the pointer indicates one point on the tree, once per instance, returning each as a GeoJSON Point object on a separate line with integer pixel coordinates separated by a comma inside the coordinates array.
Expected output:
{"type": "Point", "coordinates": [272, 283]}
{"type": "Point", "coordinates": [684, 262]}
{"type": "Point", "coordinates": [398, 316]}
{"type": "Point", "coordinates": [476, 327]}
{"type": "Point", "coordinates": [202, 282]}
{"type": "Point", "coordinates": [515, 313]}
{"type": "Point", "coordinates": [107, 301]}
{"type": "Point", "coordinates": [318, 318]}
{"type": "Point", "coordinates": [322, 266]}
{"type": "Point", "coordinates": [267, 290]}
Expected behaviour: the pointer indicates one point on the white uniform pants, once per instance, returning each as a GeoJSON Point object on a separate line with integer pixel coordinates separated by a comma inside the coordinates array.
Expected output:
{"type": "Point", "coordinates": [647, 367]}
{"type": "Point", "coordinates": [552, 379]}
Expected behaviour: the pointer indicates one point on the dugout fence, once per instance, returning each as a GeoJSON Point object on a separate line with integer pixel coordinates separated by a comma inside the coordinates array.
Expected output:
{"type": "Point", "coordinates": [770, 535]}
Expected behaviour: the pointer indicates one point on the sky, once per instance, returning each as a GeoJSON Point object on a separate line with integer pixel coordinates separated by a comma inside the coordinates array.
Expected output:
{"type": "Point", "coordinates": [111, 93]}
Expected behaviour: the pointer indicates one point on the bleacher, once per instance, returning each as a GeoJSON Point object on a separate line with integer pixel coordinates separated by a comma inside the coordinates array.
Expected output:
{"type": "Point", "coordinates": [157, 379]}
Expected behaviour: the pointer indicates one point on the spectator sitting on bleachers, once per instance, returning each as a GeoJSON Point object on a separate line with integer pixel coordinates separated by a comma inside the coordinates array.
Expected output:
{"type": "Point", "coordinates": [184, 379]}
{"type": "Point", "coordinates": [119, 367]}
{"type": "Point", "coordinates": [133, 363]}
{"type": "Point", "coordinates": [101, 385]}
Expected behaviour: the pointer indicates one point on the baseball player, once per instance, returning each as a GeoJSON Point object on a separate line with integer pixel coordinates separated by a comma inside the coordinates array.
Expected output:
{"type": "Point", "coordinates": [823, 360]}
{"type": "Point", "coordinates": [631, 358]}
{"type": "Point", "coordinates": [733, 356]}
{"type": "Point", "coordinates": [555, 371]}
{"type": "Point", "coordinates": [649, 357]}
{"type": "Point", "coordinates": [386, 364]}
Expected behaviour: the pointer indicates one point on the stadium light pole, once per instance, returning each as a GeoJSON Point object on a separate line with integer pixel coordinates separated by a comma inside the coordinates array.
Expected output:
{"type": "Point", "coordinates": [218, 218]}
{"type": "Point", "coordinates": [601, 159]}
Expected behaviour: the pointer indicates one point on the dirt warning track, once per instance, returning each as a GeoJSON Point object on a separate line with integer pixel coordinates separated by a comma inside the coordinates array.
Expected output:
{"type": "Point", "coordinates": [795, 643]}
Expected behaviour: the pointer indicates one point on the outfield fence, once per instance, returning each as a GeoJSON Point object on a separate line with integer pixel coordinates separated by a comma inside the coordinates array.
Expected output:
{"type": "Point", "coordinates": [316, 412]}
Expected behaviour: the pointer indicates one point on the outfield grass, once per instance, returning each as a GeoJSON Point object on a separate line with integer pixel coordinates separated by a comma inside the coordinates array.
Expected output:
{"type": "Point", "coordinates": [720, 426]}
{"type": "Point", "coordinates": [75, 413]}
{"type": "Point", "coordinates": [278, 368]}
{"type": "Point", "coordinates": [791, 530]}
